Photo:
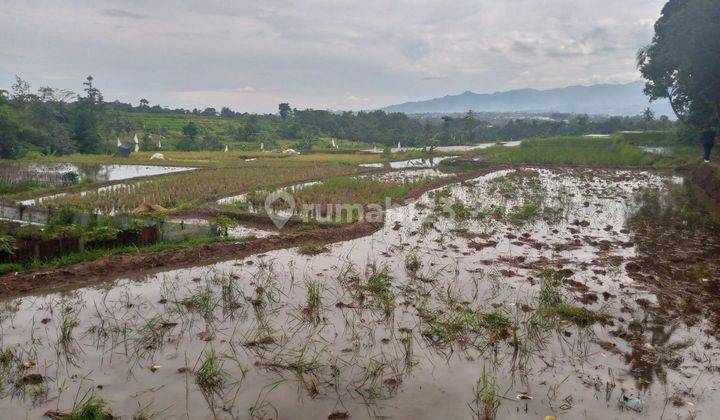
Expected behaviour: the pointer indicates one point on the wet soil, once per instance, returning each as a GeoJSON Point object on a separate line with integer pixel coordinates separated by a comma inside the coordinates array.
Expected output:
{"type": "Point", "coordinates": [705, 179]}
{"type": "Point", "coordinates": [438, 313]}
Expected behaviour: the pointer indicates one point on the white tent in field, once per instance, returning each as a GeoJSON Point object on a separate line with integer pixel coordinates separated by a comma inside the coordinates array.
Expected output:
{"type": "Point", "coordinates": [119, 143]}
{"type": "Point", "coordinates": [226, 148]}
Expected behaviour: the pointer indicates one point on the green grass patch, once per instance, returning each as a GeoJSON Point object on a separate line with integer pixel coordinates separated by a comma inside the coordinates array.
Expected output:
{"type": "Point", "coordinates": [582, 317]}
{"type": "Point", "coordinates": [92, 408]}
{"type": "Point", "coordinates": [467, 325]}
{"type": "Point", "coordinates": [98, 253]}
{"type": "Point", "coordinates": [587, 151]}
{"type": "Point", "coordinates": [211, 374]}
{"type": "Point", "coordinates": [312, 249]}
{"type": "Point", "coordinates": [379, 285]}
{"type": "Point", "coordinates": [552, 308]}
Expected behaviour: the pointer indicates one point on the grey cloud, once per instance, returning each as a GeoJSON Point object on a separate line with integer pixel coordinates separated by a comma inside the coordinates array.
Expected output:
{"type": "Point", "coordinates": [313, 52]}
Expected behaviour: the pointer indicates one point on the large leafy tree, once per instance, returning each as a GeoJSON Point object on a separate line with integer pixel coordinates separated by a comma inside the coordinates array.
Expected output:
{"type": "Point", "coordinates": [682, 63]}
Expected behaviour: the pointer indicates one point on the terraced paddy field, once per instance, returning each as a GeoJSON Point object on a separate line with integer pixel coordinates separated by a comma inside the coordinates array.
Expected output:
{"type": "Point", "coordinates": [515, 293]}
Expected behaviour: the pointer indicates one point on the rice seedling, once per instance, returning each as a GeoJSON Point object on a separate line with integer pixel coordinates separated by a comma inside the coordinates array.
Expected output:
{"type": "Point", "coordinates": [486, 401]}
{"type": "Point", "coordinates": [313, 300]}
{"type": "Point", "coordinates": [413, 263]}
{"type": "Point", "coordinates": [90, 408]}
{"type": "Point", "coordinates": [466, 326]}
{"type": "Point", "coordinates": [379, 285]}
{"type": "Point", "coordinates": [193, 188]}
{"type": "Point", "coordinates": [259, 409]}
{"type": "Point", "coordinates": [551, 306]}
{"type": "Point", "coordinates": [582, 317]}
{"type": "Point", "coordinates": [230, 292]}
{"type": "Point", "coordinates": [151, 334]}
{"type": "Point", "coordinates": [211, 375]}
{"type": "Point", "coordinates": [68, 322]}
{"type": "Point", "coordinates": [202, 301]}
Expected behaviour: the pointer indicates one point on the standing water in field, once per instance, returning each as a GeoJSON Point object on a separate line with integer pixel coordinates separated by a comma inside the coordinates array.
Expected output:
{"type": "Point", "coordinates": [97, 172]}
{"type": "Point", "coordinates": [514, 295]}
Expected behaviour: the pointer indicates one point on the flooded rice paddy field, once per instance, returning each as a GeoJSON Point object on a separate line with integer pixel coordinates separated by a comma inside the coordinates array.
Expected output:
{"type": "Point", "coordinates": [507, 295]}
{"type": "Point", "coordinates": [402, 176]}
{"type": "Point", "coordinates": [101, 171]}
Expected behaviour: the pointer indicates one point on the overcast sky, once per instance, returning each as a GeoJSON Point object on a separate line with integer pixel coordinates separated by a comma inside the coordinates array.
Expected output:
{"type": "Point", "coordinates": [325, 54]}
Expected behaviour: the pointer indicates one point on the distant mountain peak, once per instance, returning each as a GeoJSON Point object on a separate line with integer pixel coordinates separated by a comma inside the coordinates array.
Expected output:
{"type": "Point", "coordinates": [610, 99]}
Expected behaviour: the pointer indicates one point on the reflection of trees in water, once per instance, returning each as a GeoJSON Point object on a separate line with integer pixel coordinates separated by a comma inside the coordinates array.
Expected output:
{"type": "Point", "coordinates": [95, 171]}
{"type": "Point", "coordinates": [652, 353]}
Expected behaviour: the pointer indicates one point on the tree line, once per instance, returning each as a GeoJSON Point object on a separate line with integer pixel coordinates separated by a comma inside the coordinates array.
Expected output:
{"type": "Point", "coordinates": [56, 121]}
{"type": "Point", "coordinates": [49, 121]}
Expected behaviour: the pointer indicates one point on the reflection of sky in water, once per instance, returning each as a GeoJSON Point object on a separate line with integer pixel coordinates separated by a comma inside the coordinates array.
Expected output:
{"type": "Point", "coordinates": [660, 151]}
{"type": "Point", "coordinates": [108, 172]}
{"type": "Point", "coordinates": [412, 163]}
{"type": "Point", "coordinates": [469, 147]}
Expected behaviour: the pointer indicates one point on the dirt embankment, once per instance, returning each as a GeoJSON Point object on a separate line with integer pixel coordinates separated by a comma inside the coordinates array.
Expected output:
{"type": "Point", "coordinates": [707, 183]}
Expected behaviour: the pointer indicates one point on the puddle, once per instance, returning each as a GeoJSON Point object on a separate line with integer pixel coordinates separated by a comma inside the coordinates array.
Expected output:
{"type": "Point", "coordinates": [467, 148]}
{"type": "Point", "coordinates": [233, 232]}
{"type": "Point", "coordinates": [40, 200]}
{"type": "Point", "coordinates": [411, 163]}
{"type": "Point", "coordinates": [378, 327]}
{"type": "Point", "coordinates": [100, 172]}
{"type": "Point", "coordinates": [660, 151]}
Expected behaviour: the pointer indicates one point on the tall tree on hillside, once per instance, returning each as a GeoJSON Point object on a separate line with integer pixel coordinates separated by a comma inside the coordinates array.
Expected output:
{"type": "Point", "coordinates": [284, 110]}
{"type": "Point", "coordinates": [469, 124]}
{"type": "Point", "coordinates": [85, 121]}
{"type": "Point", "coordinates": [251, 129]}
{"type": "Point", "coordinates": [226, 112]}
{"type": "Point", "coordinates": [682, 63]}
{"type": "Point", "coordinates": [21, 95]}
{"type": "Point", "coordinates": [445, 134]}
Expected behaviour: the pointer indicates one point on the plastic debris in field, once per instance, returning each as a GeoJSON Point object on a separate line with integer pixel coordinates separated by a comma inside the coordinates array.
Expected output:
{"type": "Point", "coordinates": [632, 403]}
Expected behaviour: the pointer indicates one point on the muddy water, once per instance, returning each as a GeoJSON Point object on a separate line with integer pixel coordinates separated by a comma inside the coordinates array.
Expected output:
{"type": "Point", "coordinates": [285, 360]}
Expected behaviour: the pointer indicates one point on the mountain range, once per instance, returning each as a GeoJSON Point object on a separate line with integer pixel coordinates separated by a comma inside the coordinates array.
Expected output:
{"type": "Point", "coordinates": [600, 99]}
